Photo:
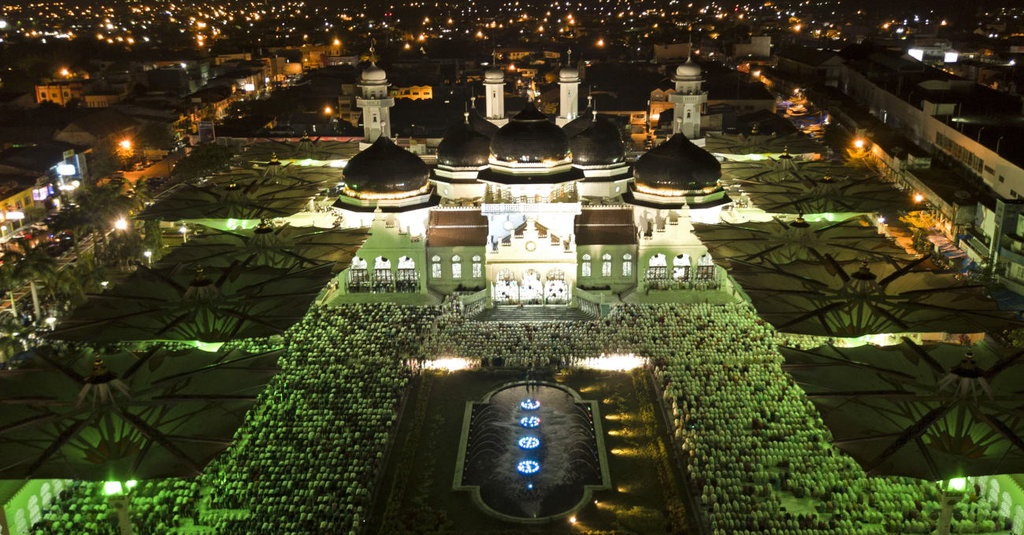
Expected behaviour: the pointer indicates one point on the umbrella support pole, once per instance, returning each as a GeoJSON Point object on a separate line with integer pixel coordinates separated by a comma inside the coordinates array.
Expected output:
{"type": "Point", "coordinates": [948, 500]}
{"type": "Point", "coordinates": [122, 504]}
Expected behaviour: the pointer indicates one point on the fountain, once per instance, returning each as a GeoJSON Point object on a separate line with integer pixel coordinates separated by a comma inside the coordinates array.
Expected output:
{"type": "Point", "coordinates": [531, 452]}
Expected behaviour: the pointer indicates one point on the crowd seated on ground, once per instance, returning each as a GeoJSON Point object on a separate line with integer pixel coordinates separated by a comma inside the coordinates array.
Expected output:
{"type": "Point", "coordinates": [756, 451]}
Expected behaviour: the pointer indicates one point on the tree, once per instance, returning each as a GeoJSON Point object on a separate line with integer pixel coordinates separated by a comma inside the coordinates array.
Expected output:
{"type": "Point", "coordinates": [30, 267]}
{"type": "Point", "coordinates": [102, 160]}
{"type": "Point", "coordinates": [12, 337]}
{"type": "Point", "coordinates": [203, 160]}
{"type": "Point", "coordinates": [155, 136]}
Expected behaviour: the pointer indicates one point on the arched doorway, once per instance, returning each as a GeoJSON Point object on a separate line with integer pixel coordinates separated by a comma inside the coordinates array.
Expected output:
{"type": "Point", "coordinates": [408, 280]}
{"type": "Point", "coordinates": [681, 267]}
{"type": "Point", "coordinates": [506, 288]}
{"type": "Point", "coordinates": [358, 278]}
{"type": "Point", "coordinates": [531, 291]}
{"type": "Point", "coordinates": [383, 281]}
{"type": "Point", "coordinates": [556, 291]}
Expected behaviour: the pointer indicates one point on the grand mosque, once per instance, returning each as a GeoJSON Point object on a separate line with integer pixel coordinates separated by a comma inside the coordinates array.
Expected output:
{"type": "Point", "coordinates": [524, 209]}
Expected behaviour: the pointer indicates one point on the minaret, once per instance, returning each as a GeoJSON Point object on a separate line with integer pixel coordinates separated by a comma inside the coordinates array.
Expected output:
{"type": "Point", "coordinates": [569, 85]}
{"type": "Point", "coordinates": [375, 103]}
{"type": "Point", "coordinates": [494, 89]}
{"type": "Point", "coordinates": [689, 99]}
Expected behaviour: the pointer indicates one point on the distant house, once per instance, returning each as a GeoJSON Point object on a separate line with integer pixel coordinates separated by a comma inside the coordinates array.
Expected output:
{"type": "Point", "coordinates": [95, 128]}
{"type": "Point", "coordinates": [811, 64]}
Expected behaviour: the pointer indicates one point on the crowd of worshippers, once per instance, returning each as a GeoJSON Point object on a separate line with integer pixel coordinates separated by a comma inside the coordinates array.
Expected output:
{"type": "Point", "coordinates": [310, 453]}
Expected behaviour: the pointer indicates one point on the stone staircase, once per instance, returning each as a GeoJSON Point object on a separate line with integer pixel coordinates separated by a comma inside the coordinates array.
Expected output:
{"type": "Point", "coordinates": [532, 313]}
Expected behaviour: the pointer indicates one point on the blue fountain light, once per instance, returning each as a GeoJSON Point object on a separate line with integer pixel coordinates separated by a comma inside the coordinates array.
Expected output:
{"type": "Point", "coordinates": [529, 443]}
{"type": "Point", "coordinates": [529, 422]}
{"type": "Point", "coordinates": [528, 467]}
{"type": "Point", "coordinates": [529, 404]}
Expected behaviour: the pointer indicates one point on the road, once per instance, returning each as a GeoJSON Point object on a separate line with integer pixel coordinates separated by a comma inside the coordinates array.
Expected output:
{"type": "Point", "coordinates": [161, 168]}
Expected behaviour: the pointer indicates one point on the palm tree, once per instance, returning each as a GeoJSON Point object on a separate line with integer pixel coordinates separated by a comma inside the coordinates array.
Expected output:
{"type": "Point", "coordinates": [32, 266]}
{"type": "Point", "coordinates": [65, 285]}
{"type": "Point", "coordinates": [12, 336]}
{"type": "Point", "coordinates": [8, 282]}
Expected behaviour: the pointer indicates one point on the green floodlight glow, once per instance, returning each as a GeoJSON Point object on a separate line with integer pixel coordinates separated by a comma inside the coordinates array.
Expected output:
{"type": "Point", "coordinates": [112, 488]}
{"type": "Point", "coordinates": [130, 484]}
{"type": "Point", "coordinates": [956, 484]}
{"type": "Point", "coordinates": [209, 347]}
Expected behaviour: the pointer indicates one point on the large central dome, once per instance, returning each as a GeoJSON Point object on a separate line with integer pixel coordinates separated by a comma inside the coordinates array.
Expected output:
{"type": "Point", "coordinates": [385, 169]}
{"type": "Point", "coordinates": [529, 137]}
{"type": "Point", "coordinates": [677, 165]}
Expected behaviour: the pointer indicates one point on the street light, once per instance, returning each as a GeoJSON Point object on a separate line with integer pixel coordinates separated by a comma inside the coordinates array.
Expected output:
{"type": "Point", "coordinates": [121, 224]}
{"type": "Point", "coordinates": [149, 257]}
{"type": "Point", "coordinates": [125, 144]}
{"type": "Point", "coordinates": [184, 233]}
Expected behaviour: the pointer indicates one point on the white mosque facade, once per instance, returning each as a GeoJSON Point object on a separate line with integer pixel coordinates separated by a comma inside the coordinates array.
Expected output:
{"type": "Point", "coordinates": [523, 209]}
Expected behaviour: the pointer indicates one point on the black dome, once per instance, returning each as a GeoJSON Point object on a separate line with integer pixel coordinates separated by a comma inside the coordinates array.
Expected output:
{"type": "Point", "coordinates": [677, 164]}
{"type": "Point", "coordinates": [463, 146]}
{"type": "Point", "coordinates": [599, 144]}
{"type": "Point", "coordinates": [385, 168]}
{"type": "Point", "coordinates": [530, 137]}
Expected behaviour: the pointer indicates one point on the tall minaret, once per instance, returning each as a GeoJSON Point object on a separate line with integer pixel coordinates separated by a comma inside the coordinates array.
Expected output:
{"type": "Point", "coordinates": [494, 89]}
{"type": "Point", "coordinates": [375, 103]}
{"type": "Point", "coordinates": [689, 99]}
{"type": "Point", "coordinates": [569, 85]}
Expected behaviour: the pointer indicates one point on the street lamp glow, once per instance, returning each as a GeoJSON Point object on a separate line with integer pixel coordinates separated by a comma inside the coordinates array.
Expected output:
{"type": "Point", "coordinates": [956, 484]}
{"type": "Point", "coordinates": [858, 143]}
{"type": "Point", "coordinates": [125, 144]}
{"type": "Point", "coordinates": [121, 224]}
{"type": "Point", "coordinates": [328, 110]}
{"type": "Point", "coordinates": [918, 198]}
{"type": "Point", "coordinates": [112, 488]}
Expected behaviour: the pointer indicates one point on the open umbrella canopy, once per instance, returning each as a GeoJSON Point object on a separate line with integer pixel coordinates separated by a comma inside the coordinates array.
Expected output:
{"type": "Point", "coordinates": [126, 415]}
{"type": "Point", "coordinates": [782, 242]}
{"type": "Point", "coordinates": [827, 299]}
{"type": "Point", "coordinates": [930, 412]}
{"type": "Point", "coordinates": [790, 187]}
{"type": "Point", "coordinates": [284, 247]}
{"type": "Point", "coordinates": [306, 148]}
{"type": "Point", "coordinates": [740, 147]}
{"type": "Point", "coordinates": [214, 304]}
{"type": "Point", "coordinates": [259, 198]}
{"type": "Point", "coordinates": [281, 173]}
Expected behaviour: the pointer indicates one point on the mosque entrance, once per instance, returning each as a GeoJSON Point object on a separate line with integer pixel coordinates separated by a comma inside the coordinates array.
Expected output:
{"type": "Point", "coordinates": [556, 291]}
{"type": "Point", "coordinates": [506, 289]}
{"type": "Point", "coordinates": [530, 289]}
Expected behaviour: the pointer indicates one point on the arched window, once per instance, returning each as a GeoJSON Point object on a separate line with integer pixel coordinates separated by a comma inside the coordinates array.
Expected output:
{"type": "Point", "coordinates": [435, 267]}
{"type": "Point", "coordinates": [478, 267]}
{"type": "Point", "coordinates": [606, 265]}
{"type": "Point", "coordinates": [585, 266]}
{"type": "Point", "coordinates": [627, 265]}
{"type": "Point", "coordinates": [456, 267]}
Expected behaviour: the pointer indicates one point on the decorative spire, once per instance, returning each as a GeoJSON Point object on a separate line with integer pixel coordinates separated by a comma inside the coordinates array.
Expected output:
{"type": "Point", "coordinates": [568, 57]}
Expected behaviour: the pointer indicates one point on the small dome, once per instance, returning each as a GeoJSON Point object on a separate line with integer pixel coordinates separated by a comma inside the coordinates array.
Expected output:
{"type": "Point", "coordinates": [677, 164]}
{"type": "Point", "coordinates": [529, 137]}
{"type": "Point", "coordinates": [569, 74]}
{"type": "Point", "coordinates": [688, 70]}
{"type": "Point", "coordinates": [463, 146]}
{"type": "Point", "coordinates": [373, 73]}
{"type": "Point", "coordinates": [494, 75]}
{"type": "Point", "coordinates": [599, 144]}
{"type": "Point", "coordinates": [385, 168]}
